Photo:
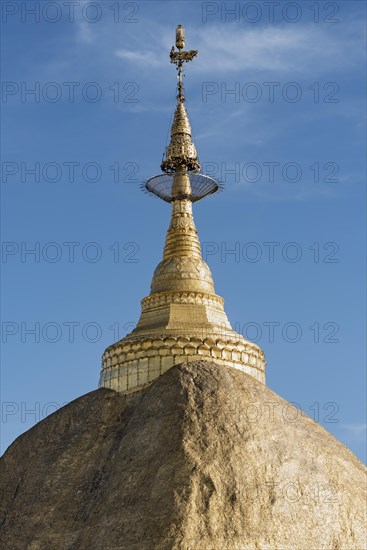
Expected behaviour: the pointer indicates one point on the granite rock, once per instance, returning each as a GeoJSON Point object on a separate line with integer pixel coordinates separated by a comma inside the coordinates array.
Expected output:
{"type": "Point", "coordinates": [205, 458]}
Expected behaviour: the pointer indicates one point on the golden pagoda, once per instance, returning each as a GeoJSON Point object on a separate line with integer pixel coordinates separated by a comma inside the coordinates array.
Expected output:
{"type": "Point", "coordinates": [182, 319]}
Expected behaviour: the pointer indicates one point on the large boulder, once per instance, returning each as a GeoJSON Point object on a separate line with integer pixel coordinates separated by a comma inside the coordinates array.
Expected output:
{"type": "Point", "coordinates": [205, 458]}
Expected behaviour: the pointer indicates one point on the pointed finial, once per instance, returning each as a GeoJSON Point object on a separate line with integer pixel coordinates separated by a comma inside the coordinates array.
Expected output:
{"type": "Point", "coordinates": [181, 153]}
{"type": "Point", "coordinates": [178, 58]}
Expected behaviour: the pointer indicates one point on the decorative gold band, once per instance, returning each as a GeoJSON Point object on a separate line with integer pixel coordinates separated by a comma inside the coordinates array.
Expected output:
{"type": "Point", "coordinates": [131, 365]}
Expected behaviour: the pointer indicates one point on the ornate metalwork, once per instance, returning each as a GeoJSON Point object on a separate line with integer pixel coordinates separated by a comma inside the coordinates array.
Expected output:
{"type": "Point", "coordinates": [181, 153]}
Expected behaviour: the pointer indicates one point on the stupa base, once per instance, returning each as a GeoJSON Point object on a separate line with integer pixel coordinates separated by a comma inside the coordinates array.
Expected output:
{"type": "Point", "coordinates": [129, 365]}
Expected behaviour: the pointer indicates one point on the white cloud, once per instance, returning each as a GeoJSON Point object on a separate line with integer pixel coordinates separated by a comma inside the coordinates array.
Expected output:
{"type": "Point", "coordinates": [355, 429]}
{"type": "Point", "coordinates": [84, 33]}
{"type": "Point", "coordinates": [224, 49]}
{"type": "Point", "coordinates": [142, 57]}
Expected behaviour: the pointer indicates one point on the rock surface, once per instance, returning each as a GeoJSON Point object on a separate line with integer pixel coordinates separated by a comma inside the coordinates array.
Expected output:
{"type": "Point", "coordinates": [205, 458]}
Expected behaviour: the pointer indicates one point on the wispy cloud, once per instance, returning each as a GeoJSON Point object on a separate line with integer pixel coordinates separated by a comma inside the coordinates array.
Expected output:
{"type": "Point", "coordinates": [141, 57]}
{"type": "Point", "coordinates": [286, 49]}
{"type": "Point", "coordinates": [350, 434]}
{"type": "Point", "coordinates": [355, 429]}
{"type": "Point", "coordinates": [84, 33]}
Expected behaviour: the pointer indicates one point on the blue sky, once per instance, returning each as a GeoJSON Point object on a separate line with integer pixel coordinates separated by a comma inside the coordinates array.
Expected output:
{"type": "Point", "coordinates": [277, 109]}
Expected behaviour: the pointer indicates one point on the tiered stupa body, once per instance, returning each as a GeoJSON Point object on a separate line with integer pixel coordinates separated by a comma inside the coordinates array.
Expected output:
{"type": "Point", "coordinates": [182, 319]}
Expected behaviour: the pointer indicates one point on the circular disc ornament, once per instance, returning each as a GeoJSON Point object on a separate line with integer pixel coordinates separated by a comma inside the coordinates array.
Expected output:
{"type": "Point", "coordinates": [201, 186]}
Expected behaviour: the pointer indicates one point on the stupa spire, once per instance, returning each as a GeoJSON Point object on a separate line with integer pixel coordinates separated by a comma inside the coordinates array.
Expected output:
{"type": "Point", "coordinates": [182, 319]}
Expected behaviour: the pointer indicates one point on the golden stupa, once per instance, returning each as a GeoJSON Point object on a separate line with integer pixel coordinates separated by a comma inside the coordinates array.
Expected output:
{"type": "Point", "coordinates": [182, 319]}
